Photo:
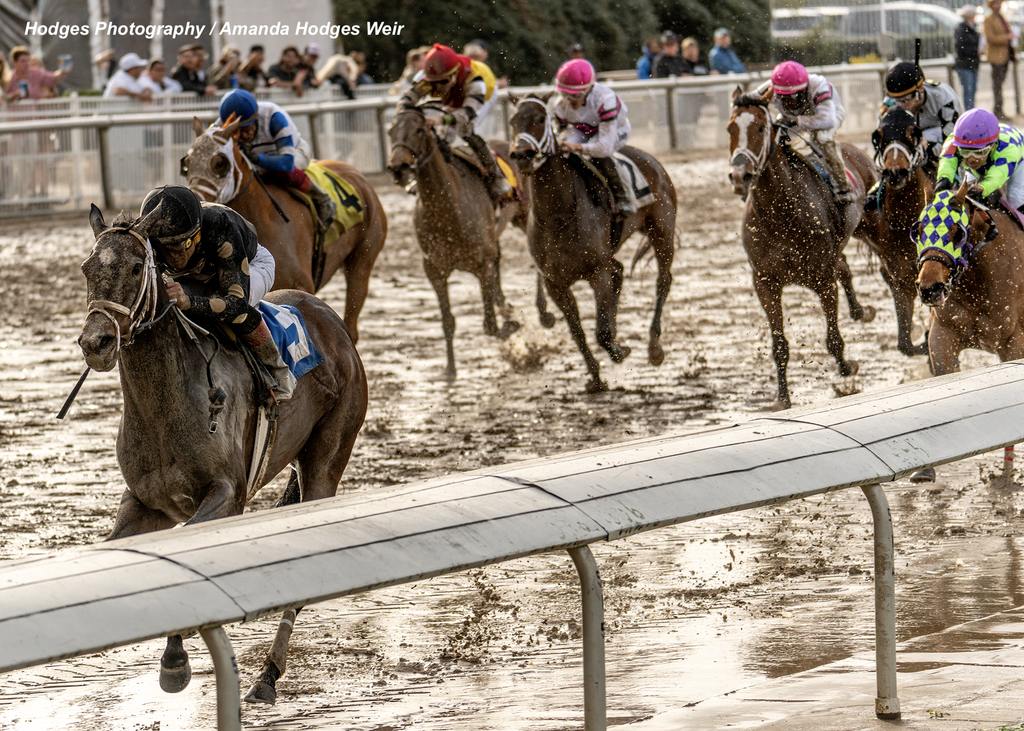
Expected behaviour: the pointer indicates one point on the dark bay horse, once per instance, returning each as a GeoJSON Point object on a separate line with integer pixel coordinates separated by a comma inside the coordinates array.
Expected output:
{"type": "Point", "coordinates": [176, 468]}
{"type": "Point", "coordinates": [906, 189]}
{"type": "Point", "coordinates": [571, 237]}
{"type": "Point", "coordinates": [976, 297]}
{"type": "Point", "coordinates": [456, 223]}
{"type": "Point", "coordinates": [217, 170]}
{"type": "Point", "coordinates": [793, 232]}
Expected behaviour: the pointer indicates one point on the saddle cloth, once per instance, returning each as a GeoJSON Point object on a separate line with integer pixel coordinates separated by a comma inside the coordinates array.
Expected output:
{"type": "Point", "coordinates": [288, 328]}
{"type": "Point", "coordinates": [350, 208]}
{"type": "Point", "coordinates": [508, 169]}
{"type": "Point", "coordinates": [636, 184]}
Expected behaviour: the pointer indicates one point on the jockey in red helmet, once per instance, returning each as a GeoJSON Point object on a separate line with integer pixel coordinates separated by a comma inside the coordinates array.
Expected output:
{"type": "Point", "coordinates": [466, 89]}
{"type": "Point", "coordinates": [810, 103]}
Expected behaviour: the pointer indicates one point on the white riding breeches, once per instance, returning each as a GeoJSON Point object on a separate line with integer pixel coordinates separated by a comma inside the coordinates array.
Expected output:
{"type": "Point", "coordinates": [261, 274]}
{"type": "Point", "coordinates": [1014, 188]}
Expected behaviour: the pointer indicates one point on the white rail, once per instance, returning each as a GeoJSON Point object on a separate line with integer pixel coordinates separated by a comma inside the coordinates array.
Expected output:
{"type": "Point", "coordinates": [202, 577]}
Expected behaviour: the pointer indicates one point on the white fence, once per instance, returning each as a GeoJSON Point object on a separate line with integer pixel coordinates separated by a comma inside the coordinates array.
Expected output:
{"type": "Point", "coordinates": [113, 152]}
{"type": "Point", "coordinates": [202, 577]}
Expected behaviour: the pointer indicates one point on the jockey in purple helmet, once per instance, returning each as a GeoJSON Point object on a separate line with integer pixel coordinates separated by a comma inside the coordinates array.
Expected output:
{"type": "Point", "coordinates": [810, 103]}
{"type": "Point", "coordinates": [993, 151]}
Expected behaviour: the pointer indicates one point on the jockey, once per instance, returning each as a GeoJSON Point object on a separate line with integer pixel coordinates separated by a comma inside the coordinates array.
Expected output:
{"type": "Point", "coordinates": [592, 120]}
{"type": "Point", "coordinates": [466, 89]}
{"type": "Point", "coordinates": [213, 245]}
{"type": "Point", "coordinates": [272, 143]}
{"type": "Point", "coordinates": [810, 103]}
{"type": "Point", "coordinates": [992, 151]}
{"type": "Point", "coordinates": [936, 105]}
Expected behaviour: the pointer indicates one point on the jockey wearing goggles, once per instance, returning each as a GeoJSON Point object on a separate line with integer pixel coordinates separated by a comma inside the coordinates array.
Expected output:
{"type": "Point", "coordinates": [466, 89]}
{"type": "Point", "coordinates": [935, 105]}
{"type": "Point", "coordinates": [810, 103]}
{"type": "Point", "coordinates": [592, 120]}
{"type": "Point", "coordinates": [216, 249]}
{"type": "Point", "coordinates": [272, 142]}
{"type": "Point", "coordinates": [993, 151]}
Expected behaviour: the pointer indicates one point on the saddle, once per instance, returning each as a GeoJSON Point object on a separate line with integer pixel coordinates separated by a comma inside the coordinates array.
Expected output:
{"type": "Point", "coordinates": [505, 164]}
{"type": "Point", "coordinates": [632, 177]}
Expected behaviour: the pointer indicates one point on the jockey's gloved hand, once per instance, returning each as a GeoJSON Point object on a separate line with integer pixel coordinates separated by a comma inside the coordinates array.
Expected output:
{"type": "Point", "coordinates": [943, 184]}
{"type": "Point", "coordinates": [992, 199]}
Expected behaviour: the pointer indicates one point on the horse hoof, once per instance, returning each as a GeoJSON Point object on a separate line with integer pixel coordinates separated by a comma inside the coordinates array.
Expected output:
{"type": "Point", "coordinates": [507, 329]}
{"type": "Point", "coordinates": [779, 405]}
{"type": "Point", "coordinates": [925, 474]}
{"type": "Point", "coordinates": [262, 692]}
{"type": "Point", "coordinates": [547, 320]}
{"type": "Point", "coordinates": [596, 385]}
{"type": "Point", "coordinates": [867, 314]}
{"type": "Point", "coordinates": [619, 354]}
{"type": "Point", "coordinates": [175, 679]}
{"type": "Point", "coordinates": [655, 354]}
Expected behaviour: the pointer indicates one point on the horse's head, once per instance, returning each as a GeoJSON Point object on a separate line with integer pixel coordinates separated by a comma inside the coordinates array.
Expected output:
{"type": "Point", "coordinates": [946, 233]}
{"type": "Point", "coordinates": [121, 281]}
{"type": "Point", "coordinates": [531, 128]}
{"type": "Point", "coordinates": [897, 143]}
{"type": "Point", "coordinates": [750, 139]}
{"type": "Point", "coordinates": [214, 166]}
{"type": "Point", "coordinates": [410, 136]}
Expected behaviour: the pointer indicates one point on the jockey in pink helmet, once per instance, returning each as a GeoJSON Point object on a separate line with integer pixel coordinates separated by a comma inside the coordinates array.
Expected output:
{"type": "Point", "coordinates": [811, 104]}
{"type": "Point", "coordinates": [591, 120]}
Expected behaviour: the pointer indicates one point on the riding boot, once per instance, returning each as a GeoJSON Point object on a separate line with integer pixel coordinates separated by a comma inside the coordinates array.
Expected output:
{"type": "Point", "coordinates": [498, 187]}
{"type": "Point", "coordinates": [610, 170]}
{"type": "Point", "coordinates": [836, 168]}
{"type": "Point", "coordinates": [325, 208]}
{"type": "Point", "coordinates": [263, 345]}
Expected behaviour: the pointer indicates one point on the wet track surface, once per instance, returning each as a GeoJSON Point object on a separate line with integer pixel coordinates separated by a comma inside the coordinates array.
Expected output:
{"type": "Point", "coordinates": [691, 611]}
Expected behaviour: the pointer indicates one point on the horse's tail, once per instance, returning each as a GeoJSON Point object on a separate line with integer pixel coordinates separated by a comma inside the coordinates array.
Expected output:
{"type": "Point", "coordinates": [645, 248]}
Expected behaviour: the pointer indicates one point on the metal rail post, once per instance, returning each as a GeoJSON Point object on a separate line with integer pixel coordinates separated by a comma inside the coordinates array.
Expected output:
{"type": "Point", "coordinates": [107, 195]}
{"type": "Point", "coordinates": [314, 135]}
{"type": "Point", "coordinates": [229, 703]}
{"type": "Point", "coordinates": [673, 143]}
{"type": "Point", "coordinates": [595, 712]}
{"type": "Point", "coordinates": [887, 702]}
{"type": "Point", "coordinates": [382, 139]}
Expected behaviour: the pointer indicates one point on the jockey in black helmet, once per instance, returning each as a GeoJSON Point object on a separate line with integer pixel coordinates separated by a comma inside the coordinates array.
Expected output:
{"type": "Point", "coordinates": [935, 105]}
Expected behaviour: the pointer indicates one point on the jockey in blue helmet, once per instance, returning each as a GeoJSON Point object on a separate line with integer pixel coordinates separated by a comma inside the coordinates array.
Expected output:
{"type": "Point", "coordinates": [271, 141]}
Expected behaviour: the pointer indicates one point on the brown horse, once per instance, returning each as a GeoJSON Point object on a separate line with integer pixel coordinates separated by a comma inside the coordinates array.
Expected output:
{"type": "Point", "coordinates": [977, 299]}
{"type": "Point", "coordinates": [178, 464]}
{"type": "Point", "coordinates": [793, 232]}
{"type": "Point", "coordinates": [905, 189]}
{"type": "Point", "coordinates": [217, 170]}
{"type": "Point", "coordinates": [456, 223]}
{"type": "Point", "coordinates": [574, 236]}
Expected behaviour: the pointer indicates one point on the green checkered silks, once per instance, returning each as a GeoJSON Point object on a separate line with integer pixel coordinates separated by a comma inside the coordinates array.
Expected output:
{"type": "Point", "coordinates": [938, 225]}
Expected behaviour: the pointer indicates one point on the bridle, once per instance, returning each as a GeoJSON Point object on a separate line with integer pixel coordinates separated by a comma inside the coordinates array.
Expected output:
{"type": "Point", "coordinates": [546, 145]}
{"type": "Point", "coordinates": [239, 182]}
{"type": "Point", "coordinates": [419, 156]}
{"type": "Point", "coordinates": [759, 159]}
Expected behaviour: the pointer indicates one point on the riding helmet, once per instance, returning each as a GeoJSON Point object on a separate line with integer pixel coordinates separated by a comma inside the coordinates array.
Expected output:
{"type": "Point", "coordinates": [180, 216]}
{"type": "Point", "coordinates": [904, 78]}
{"type": "Point", "coordinates": [242, 104]}
{"type": "Point", "coordinates": [441, 63]}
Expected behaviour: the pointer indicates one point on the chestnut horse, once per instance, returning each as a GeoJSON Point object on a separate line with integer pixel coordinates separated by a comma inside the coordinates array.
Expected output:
{"type": "Point", "coordinates": [573, 235]}
{"type": "Point", "coordinates": [177, 466]}
{"type": "Point", "coordinates": [217, 170]}
{"type": "Point", "coordinates": [977, 298]}
{"type": "Point", "coordinates": [905, 189]}
{"type": "Point", "coordinates": [456, 223]}
{"type": "Point", "coordinates": [793, 232]}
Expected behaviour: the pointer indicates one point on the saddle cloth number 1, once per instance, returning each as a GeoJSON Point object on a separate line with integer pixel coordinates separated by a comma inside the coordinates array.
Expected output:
{"type": "Point", "coordinates": [298, 348]}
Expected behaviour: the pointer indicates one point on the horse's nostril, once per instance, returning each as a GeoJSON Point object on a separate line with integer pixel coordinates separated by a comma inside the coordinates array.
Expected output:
{"type": "Point", "coordinates": [104, 341]}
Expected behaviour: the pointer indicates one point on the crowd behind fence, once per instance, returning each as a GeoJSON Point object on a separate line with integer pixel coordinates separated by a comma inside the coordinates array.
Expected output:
{"type": "Point", "coordinates": [65, 153]}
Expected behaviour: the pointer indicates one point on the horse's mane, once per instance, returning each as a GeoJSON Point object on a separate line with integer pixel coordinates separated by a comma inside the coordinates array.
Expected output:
{"type": "Point", "coordinates": [124, 219]}
{"type": "Point", "coordinates": [750, 100]}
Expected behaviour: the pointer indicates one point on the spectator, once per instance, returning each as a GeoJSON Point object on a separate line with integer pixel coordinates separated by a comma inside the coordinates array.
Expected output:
{"type": "Point", "coordinates": [251, 75]}
{"type": "Point", "coordinates": [126, 81]}
{"type": "Point", "coordinates": [967, 42]}
{"type": "Point", "coordinates": [645, 64]}
{"type": "Point", "coordinates": [28, 81]}
{"type": "Point", "coordinates": [477, 50]}
{"type": "Point", "coordinates": [225, 74]}
{"type": "Point", "coordinates": [341, 71]}
{"type": "Point", "coordinates": [106, 63]}
{"type": "Point", "coordinates": [289, 71]}
{"type": "Point", "coordinates": [5, 71]}
{"type": "Point", "coordinates": [413, 63]}
{"type": "Point", "coordinates": [998, 51]}
{"type": "Point", "coordinates": [155, 79]}
{"type": "Point", "coordinates": [362, 78]}
{"type": "Point", "coordinates": [722, 58]}
{"type": "Point", "coordinates": [187, 72]}
{"type": "Point", "coordinates": [692, 64]}
{"type": "Point", "coordinates": [310, 56]}
{"type": "Point", "coordinates": [669, 62]}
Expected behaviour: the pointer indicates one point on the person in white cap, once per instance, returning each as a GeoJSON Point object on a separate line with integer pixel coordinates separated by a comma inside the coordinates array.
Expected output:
{"type": "Point", "coordinates": [126, 81]}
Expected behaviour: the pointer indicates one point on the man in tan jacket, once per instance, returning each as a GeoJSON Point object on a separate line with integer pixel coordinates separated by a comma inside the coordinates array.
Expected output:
{"type": "Point", "coordinates": [999, 44]}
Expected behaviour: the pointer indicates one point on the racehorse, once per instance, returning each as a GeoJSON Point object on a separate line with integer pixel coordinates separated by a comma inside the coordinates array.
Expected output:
{"type": "Point", "coordinates": [179, 464]}
{"type": "Point", "coordinates": [456, 223]}
{"type": "Point", "coordinates": [976, 293]}
{"type": "Point", "coordinates": [573, 235]}
{"type": "Point", "coordinates": [217, 170]}
{"type": "Point", "coordinates": [905, 189]}
{"type": "Point", "coordinates": [793, 232]}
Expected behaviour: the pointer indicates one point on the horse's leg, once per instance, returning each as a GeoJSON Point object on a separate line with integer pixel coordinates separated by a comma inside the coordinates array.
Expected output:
{"type": "Point", "coordinates": [563, 297]}
{"type": "Point", "coordinates": [607, 284]}
{"type": "Point", "coordinates": [903, 301]}
{"type": "Point", "coordinates": [663, 243]}
{"type": "Point", "coordinates": [769, 293]}
{"type": "Point", "coordinates": [857, 312]}
{"type": "Point", "coordinates": [440, 283]}
{"type": "Point", "coordinates": [944, 357]}
{"type": "Point", "coordinates": [358, 268]}
{"type": "Point", "coordinates": [546, 318]}
{"type": "Point", "coordinates": [490, 289]}
{"type": "Point", "coordinates": [510, 325]}
{"type": "Point", "coordinates": [220, 501]}
{"type": "Point", "coordinates": [829, 298]}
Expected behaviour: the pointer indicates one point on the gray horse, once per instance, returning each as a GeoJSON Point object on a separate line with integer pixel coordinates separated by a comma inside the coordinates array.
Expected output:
{"type": "Point", "coordinates": [175, 468]}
